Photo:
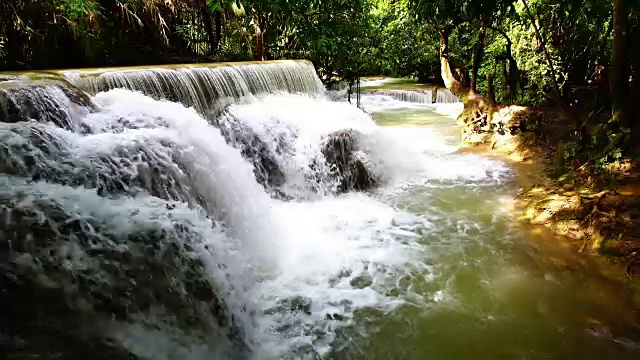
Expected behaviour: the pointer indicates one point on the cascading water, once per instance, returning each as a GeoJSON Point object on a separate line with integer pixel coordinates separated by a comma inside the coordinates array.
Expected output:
{"type": "Point", "coordinates": [252, 218]}
{"type": "Point", "coordinates": [205, 88]}
{"type": "Point", "coordinates": [442, 96]}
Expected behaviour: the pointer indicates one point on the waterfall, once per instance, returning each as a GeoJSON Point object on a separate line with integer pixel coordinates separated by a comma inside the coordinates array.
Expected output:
{"type": "Point", "coordinates": [205, 87]}
{"type": "Point", "coordinates": [422, 97]}
{"type": "Point", "coordinates": [133, 224]}
{"type": "Point", "coordinates": [141, 226]}
{"type": "Point", "coordinates": [443, 96]}
{"type": "Point", "coordinates": [198, 212]}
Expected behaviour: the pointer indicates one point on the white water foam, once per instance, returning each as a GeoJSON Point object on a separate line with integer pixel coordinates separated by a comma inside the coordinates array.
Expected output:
{"type": "Point", "coordinates": [341, 254]}
{"type": "Point", "coordinates": [300, 123]}
{"type": "Point", "coordinates": [219, 172]}
{"type": "Point", "coordinates": [400, 154]}
{"type": "Point", "coordinates": [330, 244]}
{"type": "Point", "coordinates": [123, 217]}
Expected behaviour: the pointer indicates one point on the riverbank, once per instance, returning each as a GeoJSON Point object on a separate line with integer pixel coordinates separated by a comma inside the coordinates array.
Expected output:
{"type": "Point", "coordinates": [599, 211]}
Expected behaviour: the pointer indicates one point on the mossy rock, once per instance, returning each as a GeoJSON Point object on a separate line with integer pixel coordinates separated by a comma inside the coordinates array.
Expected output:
{"type": "Point", "coordinates": [303, 352]}
{"type": "Point", "coordinates": [296, 304]}
{"type": "Point", "coordinates": [361, 282]}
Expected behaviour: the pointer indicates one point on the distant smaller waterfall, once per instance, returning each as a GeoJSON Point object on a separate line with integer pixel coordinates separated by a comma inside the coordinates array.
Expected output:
{"type": "Point", "coordinates": [442, 96]}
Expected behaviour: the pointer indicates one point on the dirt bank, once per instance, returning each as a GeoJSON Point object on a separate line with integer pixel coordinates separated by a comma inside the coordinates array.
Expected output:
{"type": "Point", "coordinates": [599, 212]}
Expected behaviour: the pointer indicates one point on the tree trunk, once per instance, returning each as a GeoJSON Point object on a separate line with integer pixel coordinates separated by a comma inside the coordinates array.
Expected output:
{"type": "Point", "coordinates": [619, 75]}
{"type": "Point", "coordinates": [491, 94]}
{"type": "Point", "coordinates": [218, 19]}
{"type": "Point", "coordinates": [479, 52]}
{"type": "Point", "coordinates": [634, 86]}
{"type": "Point", "coordinates": [261, 38]}
{"type": "Point", "coordinates": [508, 97]}
{"type": "Point", "coordinates": [208, 27]}
{"type": "Point", "coordinates": [450, 81]}
{"type": "Point", "coordinates": [511, 78]}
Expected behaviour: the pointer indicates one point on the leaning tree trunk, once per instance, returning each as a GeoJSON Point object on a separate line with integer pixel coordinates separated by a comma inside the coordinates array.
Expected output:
{"type": "Point", "coordinates": [477, 56]}
{"type": "Point", "coordinates": [450, 81]}
{"type": "Point", "coordinates": [619, 75]}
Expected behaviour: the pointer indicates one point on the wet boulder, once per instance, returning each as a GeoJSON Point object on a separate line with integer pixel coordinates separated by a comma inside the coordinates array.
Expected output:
{"type": "Point", "coordinates": [68, 277]}
{"type": "Point", "coordinates": [265, 166]}
{"type": "Point", "coordinates": [348, 164]}
{"type": "Point", "coordinates": [44, 102]}
{"type": "Point", "coordinates": [38, 152]}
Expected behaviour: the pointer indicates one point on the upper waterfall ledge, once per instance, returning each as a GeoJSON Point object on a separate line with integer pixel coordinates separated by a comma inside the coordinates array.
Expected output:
{"type": "Point", "coordinates": [202, 86]}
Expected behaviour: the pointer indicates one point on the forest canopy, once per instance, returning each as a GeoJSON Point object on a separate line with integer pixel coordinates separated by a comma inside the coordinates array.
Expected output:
{"type": "Point", "coordinates": [343, 38]}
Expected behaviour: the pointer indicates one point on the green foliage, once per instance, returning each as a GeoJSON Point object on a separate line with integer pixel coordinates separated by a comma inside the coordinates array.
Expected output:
{"type": "Point", "coordinates": [78, 11]}
{"type": "Point", "coordinates": [608, 143]}
{"type": "Point", "coordinates": [220, 5]}
{"type": "Point", "coordinates": [536, 75]}
{"type": "Point", "coordinates": [406, 45]}
{"type": "Point", "coordinates": [439, 13]}
{"type": "Point", "coordinates": [214, 5]}
{"type": "Point", "coordinates": [334, 34]}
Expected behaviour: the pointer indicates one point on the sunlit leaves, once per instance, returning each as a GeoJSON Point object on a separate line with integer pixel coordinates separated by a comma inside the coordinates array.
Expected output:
{"type": "Point", "coordinates": [78, 10]}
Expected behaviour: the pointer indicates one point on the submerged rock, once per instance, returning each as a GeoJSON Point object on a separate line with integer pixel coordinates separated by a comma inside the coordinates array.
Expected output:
{"type": "Point", "coordinates": [296, 304]}
{"type": "Point", "coordinates": [67, 273]}
{"type": "Point", "coordinates": [348, 164]}
{"type": "Point", "coordinates": [361, 282]}
{"type": "Point", "coordinates": [303, 352]}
